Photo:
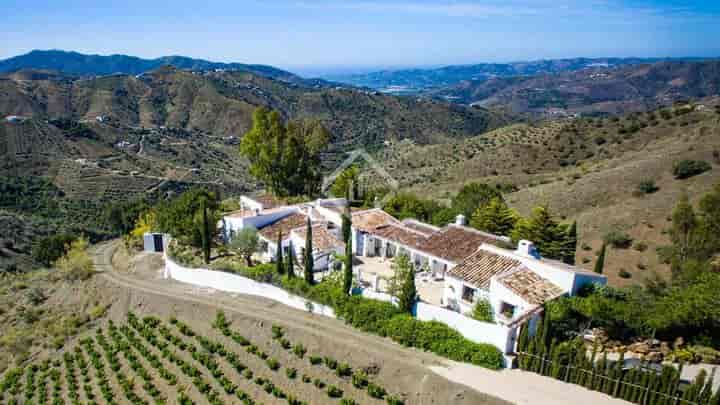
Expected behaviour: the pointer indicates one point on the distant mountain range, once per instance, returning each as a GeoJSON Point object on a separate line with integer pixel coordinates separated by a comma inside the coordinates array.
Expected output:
{"type": "Point", "coordinates": [413, 81]}
{"type": "Point", "coordinates": [99, 65]}
{"type": "Point", "coordinates": [591, 90]}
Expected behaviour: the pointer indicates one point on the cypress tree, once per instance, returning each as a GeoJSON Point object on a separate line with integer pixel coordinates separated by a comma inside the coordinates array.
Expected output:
{"type": "Point", "coordinates": [290, 261]}
{"type": "Point", "coordinates": [601, 373]}
{"type": "Point", "coordinates": [408, 292]}
{"type": "Point", "coordinates": [205, 230]}
{"type": "Point", "coordinates": [706, 393]}
{"type": "Point", "coordinates": [348, 268]}
{"type": "Point", "coordinates": [523, 338]}
{"type": "Point", "coordinates": [279, 267]}
{"type": "Point", "coordinates": [716, 398]}
{"type": "Point", "coordinates": [618, 374]}
{"type": "Point", "coordinates": [308, 260]}
{"type": "Point", "coordinates": [571, 244]}
{"type": "Point", "coordinates": [600, 263]}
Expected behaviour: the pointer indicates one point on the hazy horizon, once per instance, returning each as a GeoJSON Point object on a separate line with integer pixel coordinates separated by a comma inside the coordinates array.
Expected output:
{"type": "Point", "coordinates": [318, 36]}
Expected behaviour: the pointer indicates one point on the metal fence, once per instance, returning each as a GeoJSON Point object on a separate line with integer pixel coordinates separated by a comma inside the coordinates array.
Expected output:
{"type": "Point", "coordinates": [645, 393]}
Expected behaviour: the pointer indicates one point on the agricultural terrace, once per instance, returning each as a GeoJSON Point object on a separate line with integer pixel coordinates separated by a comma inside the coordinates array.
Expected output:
{"type": "Point", "coordinates": [147, 360]}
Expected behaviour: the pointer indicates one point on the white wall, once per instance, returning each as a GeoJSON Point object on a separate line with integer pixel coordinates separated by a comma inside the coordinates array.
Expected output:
{"type": "Point", "coordinates": [330, 215]}
{"type": "Point", "coordinates": [456, 294]}
{"type": "Point", "coordinates": [499, 293]}
{"type": "Point", "coordinates": [477, 331]}
{"type": "Point", "coordinates": [237, 284]}
{"type": "Point", "coordinates": [250, 204]}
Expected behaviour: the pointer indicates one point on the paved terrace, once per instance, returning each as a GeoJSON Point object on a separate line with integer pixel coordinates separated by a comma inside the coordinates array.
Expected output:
{"type": "Point", "coordinates": [430, 291]}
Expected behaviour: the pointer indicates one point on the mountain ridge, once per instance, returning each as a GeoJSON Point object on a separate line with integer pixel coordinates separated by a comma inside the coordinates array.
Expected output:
{"type": "Point", "coordinates": [418, 79]}
{"type": "Point", "coordinates": [71, 62]}
{"type": "Point", "coordinates": [592, 90]}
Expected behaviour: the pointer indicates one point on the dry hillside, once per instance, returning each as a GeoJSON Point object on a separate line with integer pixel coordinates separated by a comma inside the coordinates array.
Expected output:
{"type": "Point", "coordinates": [587, 170]}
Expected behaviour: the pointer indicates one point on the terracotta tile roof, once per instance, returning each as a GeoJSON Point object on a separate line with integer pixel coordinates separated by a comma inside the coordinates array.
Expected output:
{"type": "Point", "coordinates": [400, 234]}
{"type": "Point", "coordinates": [478, 268]}
{"type": "Point", "coordinates": [322, 238]}
{"type": "Point", "coordinates": [267, 200]}
{"type": "Point", "coordinates": [455, 242]}
{"type": "Point", "coordinates": [368, 220]}
{"type": "Point", "coordinates": [284, 225]}
{"type": "Point", "coordinates": [418, 226]}
{"type": "Point", "coordinates": [530, 286]}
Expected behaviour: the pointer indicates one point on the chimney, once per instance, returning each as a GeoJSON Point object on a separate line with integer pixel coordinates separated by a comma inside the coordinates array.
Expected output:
{"type": "Point", "coordinates": [527, 249]}
{"type": "Point", "coordinates": [460, 220]}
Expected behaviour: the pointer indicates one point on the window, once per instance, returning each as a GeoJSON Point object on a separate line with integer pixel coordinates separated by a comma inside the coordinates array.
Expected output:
{"type": "Point", "coordinates": [507, 310]}
{"type": "Point", "coordinates": [468, 294]}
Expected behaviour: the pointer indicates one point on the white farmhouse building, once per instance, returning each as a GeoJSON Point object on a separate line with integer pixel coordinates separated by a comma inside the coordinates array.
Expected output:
{"type": "Point", "coordinates": [516, 283]}
{"type": "Point", "coordinates": [467, 265]}
{"type": "Point", "coordinates": [273, 220]}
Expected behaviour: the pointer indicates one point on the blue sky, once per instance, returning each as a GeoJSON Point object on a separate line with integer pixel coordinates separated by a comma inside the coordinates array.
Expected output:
{"type": "Point", "coordinates": [316, 35]}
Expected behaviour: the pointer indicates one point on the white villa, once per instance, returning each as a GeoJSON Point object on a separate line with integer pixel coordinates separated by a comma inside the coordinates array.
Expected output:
{"type": "Point", "coordinates": [289, 222]}
{"type": "Point", "coordinates": [465, 264]}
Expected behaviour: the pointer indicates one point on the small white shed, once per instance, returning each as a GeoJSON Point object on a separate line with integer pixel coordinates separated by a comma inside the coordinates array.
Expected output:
{"type": "Point", "coordinates": [155, 242]}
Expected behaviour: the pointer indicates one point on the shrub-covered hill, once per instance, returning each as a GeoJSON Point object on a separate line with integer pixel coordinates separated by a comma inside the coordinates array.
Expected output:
{"type": "Point", "coordinates": [611, 175]}
{"type": "Point", "coordinates": [221, 103]}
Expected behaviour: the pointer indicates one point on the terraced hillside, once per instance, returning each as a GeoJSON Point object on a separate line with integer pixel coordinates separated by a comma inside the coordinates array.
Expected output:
{"type": "Point", "coordinates": [221, 104]}
{"type": "Point", "coordinates": [589, 170]}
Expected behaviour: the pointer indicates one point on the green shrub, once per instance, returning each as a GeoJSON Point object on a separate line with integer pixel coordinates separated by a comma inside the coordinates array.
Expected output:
{"type": "Point", "coordinates": [299, 350]}
{"type": "Point", "coordinates": [315, 360]}
{"type": "Point", "coordinates": [689, 168]}
{"type": "Point", "coordinates": [376, 391]}
{"type": "Point", "coordinates": [277, 332]}
{"type": "Point", "coordinates": [483, 311]}
{"type": "Point", "coordinates": [343, 370]}
{"type": "Point", "coordinates": [334, 392]}
{"type": "Point", "coordinates": [360, 380]}
{"type": "Point", "coordinates": [441, 339]}
{"type": "Point", "coordinates": [273, 364]}
{"type": "Point", "coordinates": [291, 373]}
{"type": "Point", "coordinates": [393, 400]}
{"type": "Point", "coordinates": [648, 187]}
{"type": "Point", "coordinates": [330, 363]}
{"type": "Point", "coordinates": [366, 314]}
{"type": "Point", "coordinates": [618, 240]}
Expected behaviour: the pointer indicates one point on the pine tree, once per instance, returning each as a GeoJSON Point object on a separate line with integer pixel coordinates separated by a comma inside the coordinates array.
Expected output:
{"type": "Point", "coordinates": [548, 236]}
{"type": "Point", "coordinates": [279, 266]}
{"type": "Point", "coordinates": [348, 268]}
{"type": "Point", "coordinates": [570, 244]}
{"type": "Point", "coordinates": [308, 260]}
{"type": "Point", "coordinates": [600, 263]}
{"type": "Point", "coordinates": [495, 217]}
{"type": "Point", "coordinates": [290, 261]}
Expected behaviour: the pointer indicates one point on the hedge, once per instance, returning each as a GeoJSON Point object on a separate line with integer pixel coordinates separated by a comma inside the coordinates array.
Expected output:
{"type": "Point", "coordinates": [385, 319]}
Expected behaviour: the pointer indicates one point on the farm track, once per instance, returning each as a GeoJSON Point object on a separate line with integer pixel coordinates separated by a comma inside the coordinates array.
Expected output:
{"type": "Point", "coordinates": [261, 309]}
